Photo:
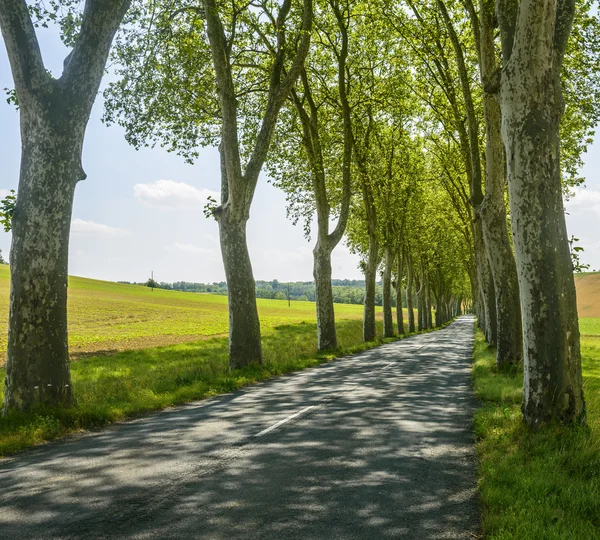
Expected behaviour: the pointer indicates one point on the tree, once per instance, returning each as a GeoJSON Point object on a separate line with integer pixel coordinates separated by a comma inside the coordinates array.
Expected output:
{"type": "Point", "coordinates": [534, 38]}
{"type": "Point", "coordinates": [249, 57]}
{"type": "Point", "coordinates": [315, 169]}
{"type": "Point", "coordinates": [53, 115]}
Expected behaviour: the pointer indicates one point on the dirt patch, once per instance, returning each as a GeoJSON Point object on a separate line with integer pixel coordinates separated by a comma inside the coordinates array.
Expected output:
{"type": "Point", "coordinates": [588, 295]}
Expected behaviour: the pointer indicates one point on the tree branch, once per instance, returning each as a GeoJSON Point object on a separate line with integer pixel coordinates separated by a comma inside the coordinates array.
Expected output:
{"type": "Point", "coordinates": [23, 50]}
{"type": "Point", "coordinates": [84, 66]}
{"type": "Point", "coordinates": [278, 92]}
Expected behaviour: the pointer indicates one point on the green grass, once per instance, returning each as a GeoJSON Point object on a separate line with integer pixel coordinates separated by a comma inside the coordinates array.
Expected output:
{"type": "Point", "coordinates": [115, 387]}
{"type": "Point", "coordinates": [543, 484]}
{"type": "Point", "coordinates": [106, 317]}
{"type": "Point", "coordinates": [589, 327]}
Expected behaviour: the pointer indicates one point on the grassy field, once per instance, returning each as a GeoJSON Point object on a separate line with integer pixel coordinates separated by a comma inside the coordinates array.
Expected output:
{"type": "Point", "coordinates": [135, 351]}
{"type": "Point", "coordinates": [106, 317]}
{"type": "Point", "coordinates": [544, 484]}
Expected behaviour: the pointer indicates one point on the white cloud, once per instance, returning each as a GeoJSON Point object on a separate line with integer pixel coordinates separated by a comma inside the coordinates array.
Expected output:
{"type": "Point", "coordinates": [81, 226]}
{"type": "Point", "coordinates": [583, 200]}
{"type": "Point", "coordinates": [191, 248]}
{"type": "Point", "coordinates": [284, 257]}
{"type": "Point", "coordinates": [171, 194]}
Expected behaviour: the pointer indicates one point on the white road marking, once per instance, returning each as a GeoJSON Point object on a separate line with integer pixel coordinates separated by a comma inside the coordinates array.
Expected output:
{"type": "Point", "coordinates": [285, 420]}
{"type": "Point", "coordinates": [301, 412]}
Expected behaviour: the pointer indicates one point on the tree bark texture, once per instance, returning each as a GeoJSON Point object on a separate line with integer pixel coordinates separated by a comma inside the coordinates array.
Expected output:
{"type": "Point", "coordinates": [53, 118]}
{"type": "Point", "coordinates": [244, 325]}
{"type": "Point", "coordinates": [509, 334]}
{"type": "Point", "coordinates": [532, 106]}
{"type": "Point", "coordinates": [486, 285]}
{"type": "Point", "coordinates": [399, 294]}
{"type": "Point", "coordinates": [409, 297]}
{"type": "Point", "coordinates": [369, 325]}
{"type": "Point", "coordinates": [388, 318]}
{"type": "Point", "coordinates": [326, 332]}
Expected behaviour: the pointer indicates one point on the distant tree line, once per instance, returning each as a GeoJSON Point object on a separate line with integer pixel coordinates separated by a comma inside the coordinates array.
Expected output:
{"type": "Point", "coordinates": [345, 291]}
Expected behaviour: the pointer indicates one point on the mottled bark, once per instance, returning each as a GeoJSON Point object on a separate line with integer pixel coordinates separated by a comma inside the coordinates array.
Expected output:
{"type": "Point", "coordinates": [326, 333]}
{"type": "Point", "coordinates": [388, 319]}
{"type": "Point", "coordinates": [369, 326]}
{"type": "Point", "coordinates": [399, 295]}
{"type": "Point", "coordinates": [532, 106]}
{"type": "Point", "coordinates": [37, 368]}
{"type": "Point", "coordinates": [409, 296]}
{"type": "Point", "coordinates": [53, 116]}
{"type": "Point", "coordinates": [487, 298]}
{"type": "Point", "coordinates": [244, 325]}
{"type": "Point", "coordinates": [428, 320]}
{"type": "Point", "coordinates": [509, 340]}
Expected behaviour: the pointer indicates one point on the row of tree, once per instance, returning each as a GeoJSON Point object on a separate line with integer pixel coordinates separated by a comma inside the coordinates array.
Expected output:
{"type": "Point", "coordinates": [344, 291]}
{"type": "Point", "coordinates": [396, 124]}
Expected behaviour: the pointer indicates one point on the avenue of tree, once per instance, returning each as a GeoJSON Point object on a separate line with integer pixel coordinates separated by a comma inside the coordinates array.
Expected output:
{"type": "Point", "coordinates": [438, 137]}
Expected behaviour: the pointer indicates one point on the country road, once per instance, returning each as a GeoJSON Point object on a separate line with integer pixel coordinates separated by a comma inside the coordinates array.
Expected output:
{"type": "Point", "coordinates": [376, 445]}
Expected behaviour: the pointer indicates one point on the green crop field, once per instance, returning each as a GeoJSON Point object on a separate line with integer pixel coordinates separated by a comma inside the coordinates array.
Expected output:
{"type": "Point", "coordinates": [106, 317]}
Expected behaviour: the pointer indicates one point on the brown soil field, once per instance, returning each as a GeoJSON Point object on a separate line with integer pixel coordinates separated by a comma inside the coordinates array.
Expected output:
{"type": "Point", "coordinates": [588, 294]}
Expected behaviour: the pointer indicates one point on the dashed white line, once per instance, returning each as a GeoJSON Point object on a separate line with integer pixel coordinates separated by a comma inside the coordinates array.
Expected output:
{"type": "Point", "coordinates": [302, 412]}
{"type": "Point", "coordinates": [285, 420]}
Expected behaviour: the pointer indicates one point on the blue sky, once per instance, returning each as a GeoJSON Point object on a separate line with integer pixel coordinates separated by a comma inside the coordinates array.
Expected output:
{"type": "Point", "coordinates": [139, 211]}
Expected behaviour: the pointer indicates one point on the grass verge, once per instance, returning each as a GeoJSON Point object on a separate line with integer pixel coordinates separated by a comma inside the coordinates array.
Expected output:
{"type": "Point", "coordinates": [543, 484]}
{"type": "Point", "coordinates": [112, 388]}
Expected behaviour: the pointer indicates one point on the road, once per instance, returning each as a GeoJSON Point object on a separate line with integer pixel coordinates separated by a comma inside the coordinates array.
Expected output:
{"type": "Point", "coordinates": [375, 445]}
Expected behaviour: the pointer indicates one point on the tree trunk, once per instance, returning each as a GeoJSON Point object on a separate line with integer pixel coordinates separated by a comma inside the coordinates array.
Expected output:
{"type": "Point", "coordinates": [388, 319]}
{"type": "Point", "coordinates": [409, 297]}
{"type": "Point", "coordinates": [369, 326]}
{"type": "Point", "coordinates": [486, 286]}
{"type": "Point", "coordinates": [53, 117]}
{"type": "Point", "coordinates": [244, 325]}
{"type": "Point", "coordinates": [37, 368]}
{"type": "Point", "coordinates": [509, 335]}
{"type": "Point", "coordinates": [428, 321]}
{"type": "Point", "coordinates": [326, 332]}
{"type": "Point", "coordinates": [420, 311]}
{"type": "Point", "coordinates": [532, 106]}
{"type": "Point", "coordinates": [399, 313]}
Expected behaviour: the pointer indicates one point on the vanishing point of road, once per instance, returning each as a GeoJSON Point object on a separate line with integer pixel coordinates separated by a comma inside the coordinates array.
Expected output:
{"type": "Point", "coordinates": [375, 445]}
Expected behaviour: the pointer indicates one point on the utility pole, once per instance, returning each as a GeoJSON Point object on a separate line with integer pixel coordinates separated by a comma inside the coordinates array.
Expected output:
{"type": "Point", "coordinates": [152, 279]}
{"type": "Point", "coordinates": [289, 302]}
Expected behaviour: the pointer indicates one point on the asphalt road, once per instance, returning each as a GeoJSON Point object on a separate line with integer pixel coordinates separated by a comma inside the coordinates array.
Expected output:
{"type": "Point", "coordinates": [376, 445]}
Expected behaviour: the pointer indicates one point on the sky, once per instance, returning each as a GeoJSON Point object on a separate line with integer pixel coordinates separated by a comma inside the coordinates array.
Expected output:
{"type": "Point", "coordinates": [142, 211]}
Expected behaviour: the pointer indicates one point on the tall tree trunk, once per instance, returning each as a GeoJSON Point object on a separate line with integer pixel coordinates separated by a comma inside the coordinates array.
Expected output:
{"type": "Point", "coordinates": [244, 325]}
{"type": "Point", "coordinates": [399, 312]}
{"type": "Point", "coordinates": [409, 296]}
{"type": "Point", "coordinates": [37, 368]}
{"type": "Point", "coordinates": [53, 116]}
{"type": "Point", "coordinates": [326, 332]}
{"type": "Point", "coordinates": [509, 334]}
{"type": "Point", "coordinates": [428, 321]}
{"type": "Point", "coordinates": [532, 107]}
{"type": "Point", "coordinates": [388, 319]}
{"type": "Point", "coordinates": [486, 285]}
{"type": "Point", "coordinates": [369, 326]}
